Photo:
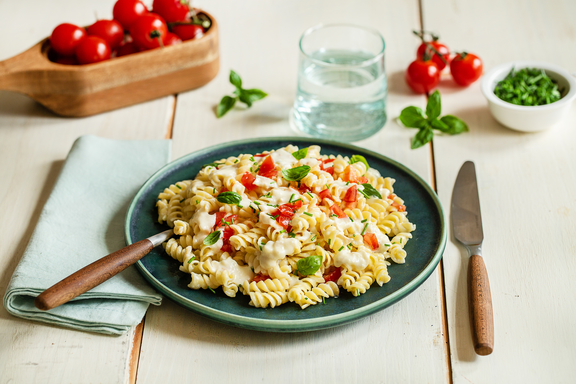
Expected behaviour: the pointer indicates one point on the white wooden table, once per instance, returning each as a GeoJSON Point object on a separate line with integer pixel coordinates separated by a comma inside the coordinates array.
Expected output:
{"type": "Point", "coordinates": [527, 184]}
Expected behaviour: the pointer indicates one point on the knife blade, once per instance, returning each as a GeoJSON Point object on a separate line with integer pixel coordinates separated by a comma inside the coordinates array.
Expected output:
{"type": "Point", "coordinates": [467, 226]}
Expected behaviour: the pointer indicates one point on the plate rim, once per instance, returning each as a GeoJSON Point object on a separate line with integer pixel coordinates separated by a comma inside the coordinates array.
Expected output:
{"type": "Point", "coordinates": [291, 325]}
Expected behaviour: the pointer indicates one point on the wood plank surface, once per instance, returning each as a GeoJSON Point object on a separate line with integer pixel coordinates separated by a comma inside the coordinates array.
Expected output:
{"type": "Point", "coordinates": [526, 183]}
{"type": "Point", "coordinates": [403, 343]}
{"type": "Point", "coordinates": [33, 145]}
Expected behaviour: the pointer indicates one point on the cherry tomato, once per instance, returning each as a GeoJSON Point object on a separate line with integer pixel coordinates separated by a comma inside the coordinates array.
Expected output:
{"type": "Point", "coordinates": [466, 68]}
{"type": "Point", "coordinates": [422, 76]}
{"type": "Point", "coordinates": [248, 180]}
{"type": "Point", "coordinates": [268, 168]}
{"type": "Point", "coordinates": [127, 11]}
{"type": "Point", "coordinates": [110, 30]}
{"type": "Point", "coordinates": [149, 31]}
{"type": "Point", "coordinates": [171, 10]}
{"type": "Point", "coordinates": [188, 31]}
{"type": "Point", "coordinates": [332, 274]}
{"type": "Point", "coordinates": [66, 60]}
{"type": "Point", "coordinates": [371, 240]}
{"type": "Point", "coordinates": [443, 49]}
{"type": "Point", "coordinates": [172, 39]}
{"type": "Point", "coordinates": [126, 49]}
{"type": "Point", "coordinates": [66, 37]}
{"type": "Point", "coordinates": [92, 50]}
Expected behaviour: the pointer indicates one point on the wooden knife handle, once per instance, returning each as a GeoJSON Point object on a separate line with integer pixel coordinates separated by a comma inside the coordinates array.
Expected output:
{"type": "Point", "coordinates": [92, 275]}
{"type": "Point", "coordinates": [480, 306]}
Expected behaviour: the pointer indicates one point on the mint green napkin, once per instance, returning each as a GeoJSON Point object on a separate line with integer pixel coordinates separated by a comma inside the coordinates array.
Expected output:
{"type": "Point", "coordinates": [82, 221]}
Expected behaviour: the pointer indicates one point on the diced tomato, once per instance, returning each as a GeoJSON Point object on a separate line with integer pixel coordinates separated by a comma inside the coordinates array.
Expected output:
{"type": "Point", "coordinates": [223, 220]}
{"type": "Point", "coordinates": [332, 274]}
{"type": "Point", "coordinates": [371, 240]}
{"type": "Point", "coordinates": [284, 220]}
{"type": "Point", "coordinates": [328, 161]}
{"type": "Point", "coordinates": [391, 196]}
{"type": "Point", "coordinates": [337, 211]}
{"type": "Point", "coordinates": [325, 194]}
{"type": "Point", "coordinates": [362, 180]}
{"type": "Point", "coordinates": [268, 168]}
{"type": "Point", "coordinates": [298, 204]}
{"type": "Point", "coordinates": [258, 278]}
{"type": "Point", "coordinates": [260, 155]}
{"type": "Point", "coordinates": [330, 170]}
{"type": "Point", "coordinates": [399, 207]}
{"type": "Point", "coordinates": [351, 175]}
{"type": "Point", "coordinates": [248, 181]}
{"type": "Point", "coordinates": [303, 189]}
{"type": "Point", "coordinates": [219, 217]}
{"type": "Point", "coordinates": [227, 232]}
{"type": "Point", "coordinates": [351, 194]}
{"type": "Point", "coordinates": [285, 212]}
{"type": "Point", "coordinates": [289, 229]}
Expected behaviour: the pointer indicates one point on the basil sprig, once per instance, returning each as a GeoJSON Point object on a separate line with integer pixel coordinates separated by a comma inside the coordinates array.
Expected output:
{"type": "Point", "coordinates": [229, 197]}
{"type": "Point", "coordinates": [212, 238]}
{"type": "Point", "coordinates": [296, 174]}
{"type": "Point", "coordinates": [369, 190]}
{"type": "Point", "coordinates": [246, 96]}
{"type": "Point", "coordinates": [300, 154]}
{"type": "Point", "coordinates": [414, 117]}
{"type": "Point", "coordinates": [359, 159]}
{"type": "Point", "coordinates": [309, 265]}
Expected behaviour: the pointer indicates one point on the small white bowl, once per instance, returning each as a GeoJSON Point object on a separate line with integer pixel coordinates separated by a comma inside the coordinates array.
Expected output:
{"type": "Point", "coordinates": [527, 118]}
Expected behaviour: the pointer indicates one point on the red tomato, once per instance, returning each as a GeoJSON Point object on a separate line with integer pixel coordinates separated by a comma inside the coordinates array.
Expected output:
{"type": "Point", "coordinates": [399, 207]}
{"type": "Point", "coordinates": [110, 30]}
{"type": "Point", "coordinates": [303, 189]}
{"type": "Point", "coordinates": [223, 220]}
{"type": "Point", "coordinates": [258, 278]}
{"type": "Point", "coordinates": [66, 37]}
{"type": "Point", "coordinates": [66, 60]}
{"type": "Point", "coordinates": [337, 211]}
{"type": "Point", "coordinates": [127, 11]}
{"type": "Point", "coordinates": [371, 240]}
{"type": "Point", "coordinates": [267, 168]}
{"type": "Point", "coordinates": [126, 49]}
{"type": "Point", "coordinates": [188, 31]}
{"type": "Point", "coordinates": [248, 181]}
{"type": "Point", "coordinates": [332, 274]}
{"type": "Point", "coordinates": [444, 51]}
{"type": "Point", "coordinates": [92, 50]}
{"type": "Point", "coordinates": [466, 68]}
{"type": "Point", "coordinates": [351, 175]}
{"type": "Point", "coordinates": [171, 10]}
{"type": "Point", "coordinates": [149, 31]}
{"type": "Point", "coordinates": [286, 212]}
{"type": "Point", "coordinates": [330, 170]}
{"type": "Point", "coordinates": [325, 194]}
{"type": "Point", "coordinates": [172, 39]}
{"type": "Point", "coordinates": [351, 194]}
{"type": "Point", "coordinates": [219, 217]}
{"type": "Point", "coordinates": [422, 76]}
{"type": "Point", "coordinates": [284, 220]}
{"type": "Point", "coordinates": [227, 233]}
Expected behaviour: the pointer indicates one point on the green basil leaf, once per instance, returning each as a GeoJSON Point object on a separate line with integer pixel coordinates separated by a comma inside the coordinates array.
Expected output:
{"type": "Point", "coordinates": [235, 79]}
{"type": "Point", "coordinates": [248, 96]}
{"type": "Point", "coordinates": [296, 174]}
{"type": "Point", "coordinates": [300, 154]}
{"type": "Point", "coordinates": [212, 238]}
{"type": "Point", "coordinates": [369, 190]}
{"type": "Point", "coordinates": [229, 197]}
{"type": "Point", "coordinates": [226, 104]}
{"type": "Point", "coordinates": [413, 117]}
{"type": "Point", "coordinates": [440, 125]}
{"type": "Point", "coordinates": [434, 106]}
{"type": "Point", "coordinates": [309, 265]}
{"type": "Point", "coordinates": [455, 125]}
{"type": "Point", "coordinates": [422, 137]}
{"type": "Point", "coordinates": [359, 159]}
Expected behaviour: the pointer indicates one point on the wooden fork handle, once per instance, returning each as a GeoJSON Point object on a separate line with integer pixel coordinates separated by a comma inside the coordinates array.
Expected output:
{"type": "Point", "coordinates": [92, 275]}
{"type": "Point", "coordinates": [480, 306]}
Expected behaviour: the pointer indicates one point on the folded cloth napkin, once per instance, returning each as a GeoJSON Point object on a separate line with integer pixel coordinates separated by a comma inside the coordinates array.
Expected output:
{"type": "Point", "coordinates": [82, 221]}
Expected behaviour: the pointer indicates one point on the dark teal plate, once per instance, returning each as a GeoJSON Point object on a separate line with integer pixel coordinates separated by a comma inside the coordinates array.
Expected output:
{"type": "Point", "coordinates": [424, 250]}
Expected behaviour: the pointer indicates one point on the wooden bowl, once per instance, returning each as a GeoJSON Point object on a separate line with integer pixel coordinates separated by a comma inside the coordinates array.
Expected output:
{"type": "Point", "coordinates": [84, 90]}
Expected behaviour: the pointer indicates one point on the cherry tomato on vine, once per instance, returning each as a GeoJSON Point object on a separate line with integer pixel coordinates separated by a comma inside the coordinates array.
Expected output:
{"type": "Point", "coordinates": [171, 10]}
{"type": "Point", "coordinates": [149, 31]}
{"type": "Point", "coordinates": [66, 37]}
{"type": "Point", "coordinates": [92, 50]}
{"type": "Point", "coordinates": [188, 31]}
{"type": "Point", "coordinates": [466, 68]}
{"type": "Point", "coordinates": [126, 49]}
{"type": "Point", "coordinates": [441, 48]}
{"type": "Point", "coordinates": [66, 60]}
{"type": "Point", "coordinates": [127, 11]}
{"type": "Point", "coordinates": [172, 39]}
{"type": "Point", "coordinates": [109, 30]}
{"type": "Point", "coordinates": [422, 76]}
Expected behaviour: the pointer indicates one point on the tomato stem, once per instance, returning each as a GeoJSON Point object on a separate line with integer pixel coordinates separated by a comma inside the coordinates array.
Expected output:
{"type": "Point", "coordinates": [430, 47]}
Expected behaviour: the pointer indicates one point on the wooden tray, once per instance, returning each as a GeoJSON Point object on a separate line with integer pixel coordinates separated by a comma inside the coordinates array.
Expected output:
{"type": "Point", "coordinates": [84, 90]}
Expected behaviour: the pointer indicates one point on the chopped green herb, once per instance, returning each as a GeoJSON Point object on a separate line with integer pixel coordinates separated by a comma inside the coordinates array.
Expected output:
{"type": "Point", "coordinates": [282, 231]}
{"type": "Point", "coordinates": [347, 183]}
{"type": "Point", "coordinates": [191, 259]}
{"type": "Point", "coordinates": [528, 86]}
{"type": "Point", "coordinates": [252, 158]}
{"type": "Point", "coordinates": [183, 200]}
{"type": "Point", "coordinates": [291, 197]}
{"type": "Point", "coordinates": [179, 187]}
{"type": "Point", "coordinates": [308, 214]}
{"type": "Point", "coordinates": [329, 240]}
{"type": "Point", "coordinates": [235, 161]}
{"type": "Point", "coordinates": [291, 234]}
{"type": "Point", "coordinates": [213, 291]}
{"type": "Point", "coordinates": [323, 301]}
{"type": "Point", "coordinates": [364, 230]}
{"type": "Point", "coordinates": [341, 248]}
{"type": "Point", "coordinates": [197, 201]}
{"type": "Point", "coordinates": [349, 245]}
{"type": "Point", "coordinates": [257, 203]}
{"type": "Point", "coordinates": [313, 238]}
{"type": "Point", "coordinates": [311, 195]}
{"type": "Point", "coordinates": [365, 220]}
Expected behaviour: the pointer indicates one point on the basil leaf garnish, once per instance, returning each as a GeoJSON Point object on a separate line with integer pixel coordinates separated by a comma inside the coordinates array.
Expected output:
{"type": "Point", "coordinates": [309, 265]}
{"type": "Point", "coordinates": [413, 117]}
{"type": "Point", "coordinates": [229, 197]}
{"type": "Point", "coordinates": [369, 190]}
{"type": "Point", "coordinates": [423, 137]}
{"type": "Point", "coordinates": [359, 159]}
{"type": "Point", "coordinates": [296, 174]}
{"type": "Point", "coordinates": [299, 155]}
{"type": "Point", "coordinates": [235, 79]}
{"type": "Point", "coordinates": [212, 238]}
{"type": "Point", "coordinates": [455, 125]}
{"type": "Point", "coordinates": [434, 106]}
{"type": "Point", "coordinates": [226, 104]}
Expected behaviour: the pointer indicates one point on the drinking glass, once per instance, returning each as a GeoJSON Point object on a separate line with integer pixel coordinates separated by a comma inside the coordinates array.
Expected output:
{"type": "Point", "coordinates": [342, 83]}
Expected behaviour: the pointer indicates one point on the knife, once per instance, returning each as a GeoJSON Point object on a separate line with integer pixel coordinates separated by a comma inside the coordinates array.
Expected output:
{"type": "Point", "coordinates": [467, 225]}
